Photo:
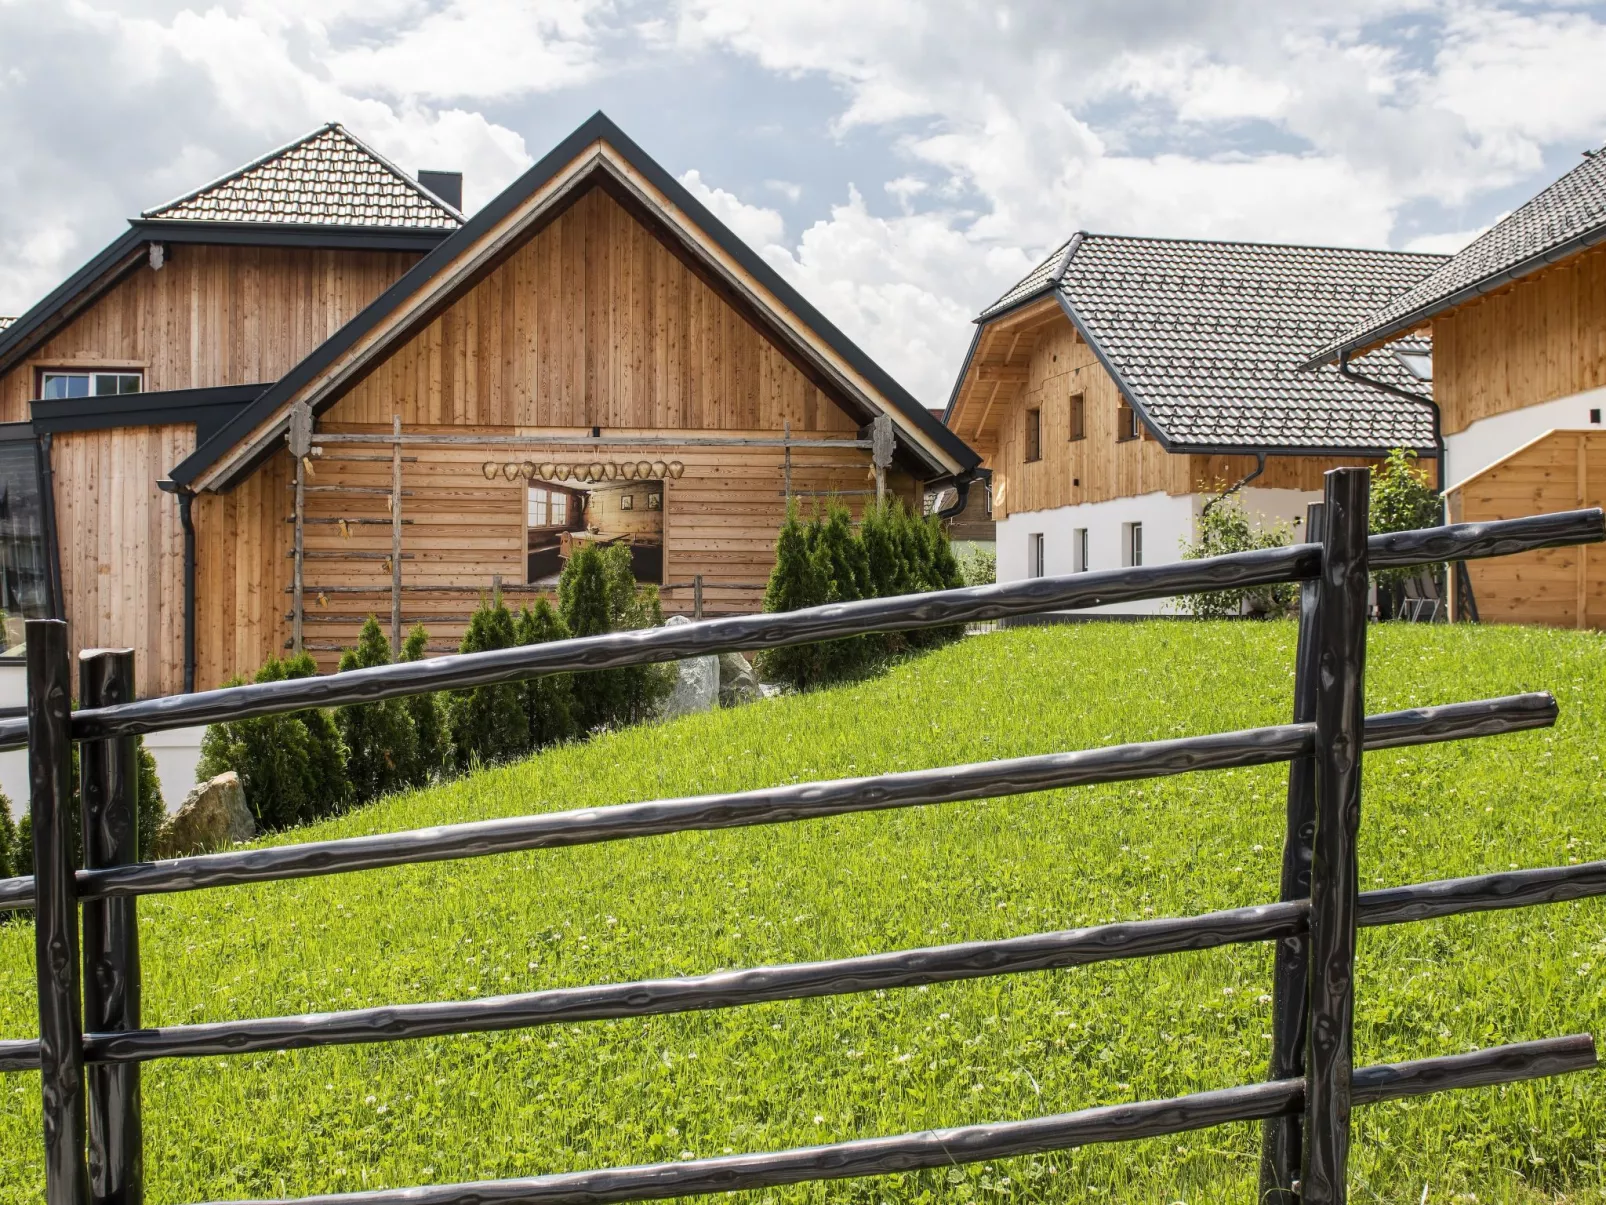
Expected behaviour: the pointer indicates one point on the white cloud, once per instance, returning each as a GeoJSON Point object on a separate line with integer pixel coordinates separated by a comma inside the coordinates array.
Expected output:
{"type": "Point", "coordinates": [755, 225]}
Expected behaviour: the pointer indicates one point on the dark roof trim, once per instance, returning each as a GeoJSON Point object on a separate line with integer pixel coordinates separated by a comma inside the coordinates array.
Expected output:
{"type": "Point", "coordinates": [15, 432]}
{"type": "Point", "coordinates": [964, 371]}
{"type": "Point", "coordinates": [1099, 354]}
{"type": "Point", "coordinates": [208, 409]}
{"type": "Point", "coordinates": [284, 234]}
{"type": "Point", "coordinates": [597, 128]}
{"type": "Point", "coordinates": [48, 315]}
{"type": "Point", "coordinates": [1526, 267]}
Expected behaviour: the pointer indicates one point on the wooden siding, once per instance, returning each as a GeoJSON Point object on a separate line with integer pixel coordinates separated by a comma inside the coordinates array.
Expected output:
{"type": "Point", "coordinates": [996, 374]}
{"type": "Point", "coordinates": [122, 546]}
{"type": "Point", "coordinates": [592, 322]}
{"type": "Point", "coordinates": [212, 316]}
{"type": "Point", "coordinates": [1564, 587]}
{"type": "Point", "coordinates": [1540, 339]}
{"type": "Point", "coordinates": [1211, 474]}
{"type": "Point", "coordinates": [1093, 469]}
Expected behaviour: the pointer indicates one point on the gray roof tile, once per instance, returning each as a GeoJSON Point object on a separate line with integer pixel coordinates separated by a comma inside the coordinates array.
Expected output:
{"type": "Point", "coordinates": [1569, 212]}
{"type": "Point", "coordinates": [328, 178]}
{"type": "Point", "coordinates": [1206, 337]}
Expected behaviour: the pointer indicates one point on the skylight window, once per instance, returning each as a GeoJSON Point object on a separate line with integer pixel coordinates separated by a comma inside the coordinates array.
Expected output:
{"type": "Point", "coordinates": [1419, 364]}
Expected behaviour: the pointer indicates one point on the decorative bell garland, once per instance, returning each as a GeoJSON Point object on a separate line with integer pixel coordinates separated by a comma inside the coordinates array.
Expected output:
{"type": "Point", "coordinates": [597, 470]}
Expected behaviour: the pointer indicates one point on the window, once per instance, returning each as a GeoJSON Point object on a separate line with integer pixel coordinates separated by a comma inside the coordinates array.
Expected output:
{"type": "Point", "coordinates": [1034, 554]}
{"type": "Point", "coordinates": [1418, 364]}
{"type": "Point", "coordinates": [548, 508]}
{"type": "Point", "coordinates": [67, 383]}
{"type": "Point", "coordinates": [1078, 416]}
{"type": "Point", "coordinates": [24, 559]}
{"type": "Point", "coordinates": [1079, 550]}
{"type": "Point", "coordinates": [1034, 435]}
{"type": "Point", "coordinates": [1131, 544]}
{"type": "Point", "coordinates": [1126, 424]}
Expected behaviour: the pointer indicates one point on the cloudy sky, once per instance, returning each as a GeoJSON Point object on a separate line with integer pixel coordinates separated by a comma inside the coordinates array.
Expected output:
{"type": "Point", "coordinates": [901, 161]}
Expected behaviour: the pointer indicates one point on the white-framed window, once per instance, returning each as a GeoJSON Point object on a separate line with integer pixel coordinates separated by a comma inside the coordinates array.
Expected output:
{"type": "Point", "coordinates": [1079, 550]}
{"type": "Point", "coordinates": [1131, 544]}
{"type": "Point", "coordinates": [72, 382]}
{"type": "Point", "coordinates": [1034, 554]}
{"type": "Point", "coordinates": [548, 508]}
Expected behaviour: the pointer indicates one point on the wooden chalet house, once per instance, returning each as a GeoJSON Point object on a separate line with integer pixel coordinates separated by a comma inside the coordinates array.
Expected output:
{"type": "Point", "coordinates": [1518, 328]}
{"type": "Point", "coordinates": [591, 356]}
{"type": "Point", "coordinates": [1126, 381]}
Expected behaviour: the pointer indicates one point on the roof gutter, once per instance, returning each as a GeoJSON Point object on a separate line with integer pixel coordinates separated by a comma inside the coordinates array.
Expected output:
{"type": "Point", "coordinates": [1344, 370]}
{"type": "Point", "coordinates": [1552, 255]}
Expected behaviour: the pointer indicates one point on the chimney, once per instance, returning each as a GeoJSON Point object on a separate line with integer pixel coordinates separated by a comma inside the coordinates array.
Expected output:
{"type": "Point", "coordinates": [448, 186]}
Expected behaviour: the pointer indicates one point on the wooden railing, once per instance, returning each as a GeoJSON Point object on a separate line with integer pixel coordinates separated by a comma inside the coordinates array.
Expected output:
{"type": "Point", "coordinates": [91, 1042]}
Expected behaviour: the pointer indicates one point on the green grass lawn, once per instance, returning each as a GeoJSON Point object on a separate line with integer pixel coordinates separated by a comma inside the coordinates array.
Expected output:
{"type": "Point", "coordinates": [780, 1075]}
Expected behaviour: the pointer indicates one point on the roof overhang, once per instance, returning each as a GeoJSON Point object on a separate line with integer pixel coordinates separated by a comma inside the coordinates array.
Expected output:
{"type": "Point", "coordinates": [70, 298]}
{"type": "Point", "coordinates": [271, 234]}
{"type": "Point", "coordinates": [1367, 340]}
{"type": "Point", "coordinates": [209, 409]}
{"type": "Point", "coordinates": [596, 155]}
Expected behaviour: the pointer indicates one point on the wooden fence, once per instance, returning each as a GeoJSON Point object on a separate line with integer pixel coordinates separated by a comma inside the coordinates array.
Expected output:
{"type": "Point", "coordinates": [91, 1043]}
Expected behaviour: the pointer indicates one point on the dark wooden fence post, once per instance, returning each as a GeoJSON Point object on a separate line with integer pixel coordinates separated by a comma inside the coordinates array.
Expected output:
{"type": "Point", "coordinates": [1335, 883]}
{"type": "Point", "coordinates": [61, 1046]}
{"type": "Point", "coordinates": [1280, 1137]}
{"type": "Point", "coordinates": [109, 772]}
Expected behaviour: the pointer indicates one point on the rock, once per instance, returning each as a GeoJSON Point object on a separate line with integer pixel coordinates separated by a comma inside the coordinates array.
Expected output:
{"type": "Point", "coordinates": [738, 683]}
{"type": "Point", "coordinates": [696, 682]}
{"type": "Point", "coordinates": [213, 816]}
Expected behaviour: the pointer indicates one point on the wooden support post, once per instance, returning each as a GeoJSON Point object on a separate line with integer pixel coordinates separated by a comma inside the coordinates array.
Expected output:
{"type": "Point", "coordinates": [1582, 606]}
{"type": "Point", "coordinates": [882, 444]}
{"type": "Point", "coordinates": [1335, 880]}
{"type": "Point", "coordinates": [110, 806]}
{"type": "Point", "coordinates": [496, 589]}
{"type": "Point", "coordinates": [697, 596]}
{"type": "Point", "coordinates": [395, 539]}
{"type": "Point", "coordinates": [61, 1037]}
{"type": "Point", "coordinates": [787, 471]}
{"type": "Point", "coordinates": [1280, 1136]}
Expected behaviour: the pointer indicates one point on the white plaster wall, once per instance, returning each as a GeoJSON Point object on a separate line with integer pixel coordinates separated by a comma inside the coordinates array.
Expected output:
{"type": "Point", "coordinates": [1168, 522]}
{"type": "Point", "coordinates": [1469, 452]}
{"type": "Point", "coordinates": [177, 752]}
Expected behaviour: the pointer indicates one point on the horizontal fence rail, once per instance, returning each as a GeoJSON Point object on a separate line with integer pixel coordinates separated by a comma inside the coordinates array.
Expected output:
{"type": "Point", "coordinates": [1299, 562]}
{"type": "Point", "coordinates": [979, 1143]}
{"type": "Point", "coordinates": [801, 801]}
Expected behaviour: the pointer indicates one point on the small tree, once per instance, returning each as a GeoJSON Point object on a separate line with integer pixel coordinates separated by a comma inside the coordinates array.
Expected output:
{"type": "Point", "coordinates": [380, 738]}
{"type": "Point", "coordinates": [330, 792]}
{"type": "Point", "coordinates": [430, 743]}
{"type": "Point", "coordinates": [1224, 528]}
{"type": "Point", "coordinates": [597, 594]}
{"type": "Point", "coordinates": [978, 564]}
{"type": "Point", "coordinates": [1403, 499]}
{"type": "Point", "coordinates": [801, 578]}
{"type": "Point", "coordinates": [487, 723]}
{"type": "Point", "coordinates": [10, 853]}
{"type": "Point", "coordinates": [152, 808]}
{"type": "Point", "coordinates": [548, 700]}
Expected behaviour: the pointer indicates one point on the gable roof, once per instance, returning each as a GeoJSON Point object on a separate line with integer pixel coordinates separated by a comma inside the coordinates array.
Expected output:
{"type": "Point", "coordinates": [1564, 219]}
{"type": "Point", "coordinates": [597, 154]}
{"type": "Point", "coordinates": [1205, 339]}
{"type": "Point", "coordinates": [329, 177]}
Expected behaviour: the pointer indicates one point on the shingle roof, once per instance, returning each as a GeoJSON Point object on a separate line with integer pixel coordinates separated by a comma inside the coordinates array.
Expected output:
{"type": "Point", "coordinates": [1034, 282]}
{"type": "Point", "coordinates": [1564, 218]}
{"type": "Point", "coordinates": [1206, 339]}
{"type": "Point", "coordinates": [328, 178]}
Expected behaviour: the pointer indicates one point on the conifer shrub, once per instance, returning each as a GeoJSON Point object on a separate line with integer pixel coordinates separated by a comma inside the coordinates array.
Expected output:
{"type": "Point", "coordinates": [10, 853]}
{"type": "Point", "coordinates": [152, 807]}
{"type": "Point", "coordinates": [487, 724]}
{"type": "Point", "coordinates": [801, 578]}
{"type": "Point", "coordinates": [292, 766]}
{"type": "Point", "coordinates": [427, 714]}
{"type": "Point", "coordinates": [16, 838]}
{"type": "Point", "coordinates": [549, 700]}
{"type": "Point", "coordinates": [597, 594]}
{"type": "Point", "coordinates": [379, 737]}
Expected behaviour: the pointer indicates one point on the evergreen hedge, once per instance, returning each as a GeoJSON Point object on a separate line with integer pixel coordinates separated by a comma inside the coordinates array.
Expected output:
{"type": "Point", "coordinates": [487, 724]}
{"type": "Point", "coordinates": [548, 701]}
{"type": "Point", "coordinates": [16, 838]}
{"type": "Point", "coordinates": [597, 594]}
{"type": "Point", "coordinates": [431, 746]}
{"type": "Point", "coordinates": [380, 738]}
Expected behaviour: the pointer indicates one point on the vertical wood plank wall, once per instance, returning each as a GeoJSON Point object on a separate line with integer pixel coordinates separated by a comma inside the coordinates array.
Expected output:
{"type": "Point", "coordinates": [122, 564]}
{"type": "Point", "coordinates": [213, 316]}
{"type": "Point", "coordinates": [1564, 587]}
{"type": "Point", "coordinates": [1540, 339]}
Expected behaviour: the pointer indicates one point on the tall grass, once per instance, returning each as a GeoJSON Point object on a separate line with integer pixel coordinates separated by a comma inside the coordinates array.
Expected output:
{"type": "Point", "coordinates": [779, 1075]}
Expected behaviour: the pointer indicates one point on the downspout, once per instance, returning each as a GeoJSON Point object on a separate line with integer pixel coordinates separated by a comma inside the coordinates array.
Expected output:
{"type": "Point", "coordinates": [1260, 467]}
{"type": "Point", "coordinates": [186, 499]}
{"type": "Point", "coordinates": [961, 496]}
{"type": "Point", "coordinates": [47, 517]}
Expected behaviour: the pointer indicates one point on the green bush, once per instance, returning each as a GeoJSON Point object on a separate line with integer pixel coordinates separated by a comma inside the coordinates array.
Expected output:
{"type": "Point", "coordinates": [1225, 528]}
{"type": "Point", "coordinates": [978, 564]}
{"type": "Point", "coordinates": [1403, 498]}
{"type": "Point", "coordinates": [152, 808]}
{"type": "Point", "coordinates": [16, 839]}
{"type": "Point", "coordinates": [801, 578]}
{"type": "Point", "coordinates": [430, 743]}
{"type": "Point", "coordinates": [379, 737]}
{"type": "Point", "coordinates": [597, 594]}
{"type": "Point", "coordinates": [10, 851]}
{"type": "Point", "coordinates": [487, 723]}
{"type": "Point", "coordinates": [292, 766]}
{"type": "Point", "coordinates": [549, 700]}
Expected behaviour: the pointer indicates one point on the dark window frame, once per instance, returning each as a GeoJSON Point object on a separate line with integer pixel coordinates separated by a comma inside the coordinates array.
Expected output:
{"type": "Point", "coordinates": [92, 373]}
{"type": "Point", "coordinates": [1076, 417]}
{"type": "Point", "coordinates": [1127, 427]}
{"type": "Point", "coordinates": [1033, 441]}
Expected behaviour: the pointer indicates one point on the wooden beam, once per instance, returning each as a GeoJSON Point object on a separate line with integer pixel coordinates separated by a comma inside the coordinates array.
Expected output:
{"type": "Point", "coordinates": [986, 373]}
{"type": "Point", "coordinates": [988, 409]}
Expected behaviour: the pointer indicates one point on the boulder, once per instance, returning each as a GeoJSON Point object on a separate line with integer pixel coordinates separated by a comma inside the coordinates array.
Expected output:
{"type": "Point", "coordinates": [696, 681]}
{"type": "Point", "coordinates": [738, 683]}
{"type": "Point", "coordinates": [213, 816]}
